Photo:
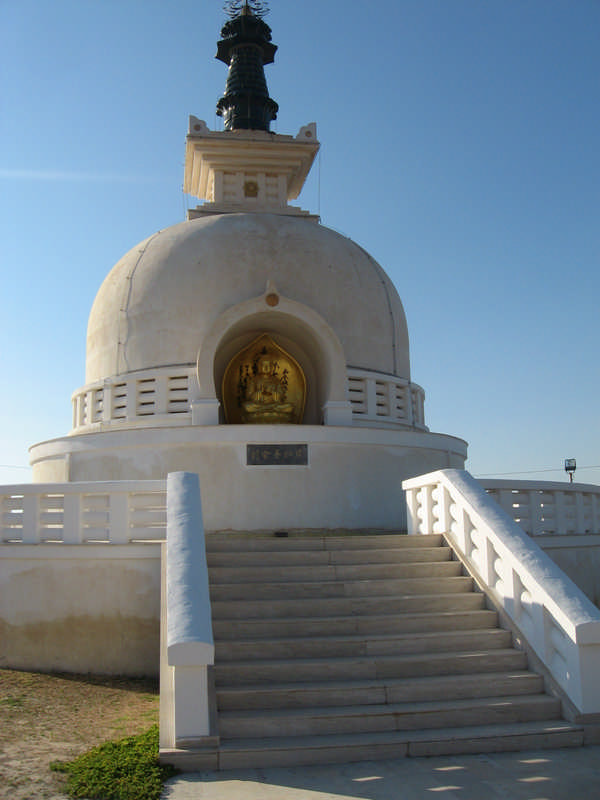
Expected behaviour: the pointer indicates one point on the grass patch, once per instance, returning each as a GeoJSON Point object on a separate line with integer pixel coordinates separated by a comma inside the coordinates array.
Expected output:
{"type": "Point", "coordinates": [127, 769]}
{"type": "Point", "coordinates": [13, 702]}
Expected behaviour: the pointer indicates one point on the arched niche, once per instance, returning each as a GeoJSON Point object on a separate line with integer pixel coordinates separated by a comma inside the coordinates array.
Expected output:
{"type": "Point", "coordinates": [300, 331]}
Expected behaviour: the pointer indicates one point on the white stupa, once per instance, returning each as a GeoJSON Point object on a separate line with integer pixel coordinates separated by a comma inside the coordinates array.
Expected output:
{"type": "Point", "coordinates": [270, 355]}
{"type": "Point", "coordinates": [252, 345]}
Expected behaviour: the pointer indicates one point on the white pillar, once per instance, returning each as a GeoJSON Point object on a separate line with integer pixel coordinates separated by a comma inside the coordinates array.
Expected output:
{"type": "Point", "coordinates": [161, 399]}
{"type": "Point", "coordinates": [188, 641]}
{"type": "Point", "coordinates": [72, 518]}
{"type": "Point", "coordinates": [337, 412]}
{"type": "Point", "coordinates": [31, 519]}
{"type": "Point", "coordinates": [118, 524]}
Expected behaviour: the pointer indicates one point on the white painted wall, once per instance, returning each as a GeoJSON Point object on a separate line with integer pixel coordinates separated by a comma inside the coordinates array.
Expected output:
{"type": "Point", "coordinates": [80, 608]}
{"type": "Point", "coordinates": [353, 478]}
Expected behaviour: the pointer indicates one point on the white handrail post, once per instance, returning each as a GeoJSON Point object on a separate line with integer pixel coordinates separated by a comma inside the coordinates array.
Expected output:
{"type": "Point", "coordinates": [130, 399]}
{"type": "Point", "coordinates": [504, 498]}
{"type": "Point", "coordinates": [31, 518]}
{"type": "Point", "coordinates": [371, 397]}
{"type": "Point", "coordinates": [188, 642]}
{"type": "Point", "coordinates": [560, 515]}
{"type": "Point", "coordinates": [107, 401]}
{"type": "Point", "coordinates": [535, 513]}
{"type": "Point", "coordinates": [461, 528]}
{"type": "Point", "coordinates": [408, 404]}
{"type": "Point", "coordinates": [72, 518]}
{"type": "Point", "coordinates": [161, 402]}
{"type": "Point", "coordinates": [595, 512]}
{"type": "Point", "coordinates": [119, 518]}
{"type": "Point", "coordinates": [443, 505]}
{"type": "Point", "coordinates": [411, 516]}
{"type": "Point", "coordinates": [580, 516]}
{"type": "Point", "coordinates": [427, 520]}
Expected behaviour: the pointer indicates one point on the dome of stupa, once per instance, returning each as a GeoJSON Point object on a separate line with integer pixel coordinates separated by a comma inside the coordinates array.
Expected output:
{"type": "Point", "coordinates": [160, 301]}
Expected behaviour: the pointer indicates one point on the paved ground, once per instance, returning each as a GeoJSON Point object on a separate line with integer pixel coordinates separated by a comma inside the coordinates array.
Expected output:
{"type": "Point", "coordinates": [569, 774]}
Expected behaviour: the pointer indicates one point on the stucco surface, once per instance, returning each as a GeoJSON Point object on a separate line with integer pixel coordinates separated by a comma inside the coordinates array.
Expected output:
{"type": "Point", "coordinates": [352, 480]}
{"type": "Point", "coordinates": [158, 303]}
{"type": "Point", "coordinates": [580, 560]}
{"type": "Point", "coordinates": [79, 615]}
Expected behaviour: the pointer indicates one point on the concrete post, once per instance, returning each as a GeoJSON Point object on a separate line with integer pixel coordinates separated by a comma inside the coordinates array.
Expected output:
{"type": "Point", "coordinates": [189, 641]}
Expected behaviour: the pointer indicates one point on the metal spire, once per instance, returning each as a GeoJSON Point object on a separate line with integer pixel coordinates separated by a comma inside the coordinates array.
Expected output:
{"type": "Point", "coordinates": [246, 47]}
{"type": "Point", "coordinates": [235, 8]}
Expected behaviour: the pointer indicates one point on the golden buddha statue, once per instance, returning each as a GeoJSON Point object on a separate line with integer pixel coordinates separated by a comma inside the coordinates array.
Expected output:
{"type": "Point", "coordinates": [264, 385]}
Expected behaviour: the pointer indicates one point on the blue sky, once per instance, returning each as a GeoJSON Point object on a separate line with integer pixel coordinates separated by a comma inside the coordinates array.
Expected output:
{"type": "Point", "coordinates": [459, 146]}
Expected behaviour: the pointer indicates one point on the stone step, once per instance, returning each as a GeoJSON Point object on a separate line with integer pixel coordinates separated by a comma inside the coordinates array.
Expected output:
{"type": "Point", "coordinates": [403, 555]}
{"type": "Point", "coordinates": [372, 692]}
{"type": "Point", "coordinates": [365, 645]}
{"type": "Point", "coordinates": [344, 606]}
{"type": "Point", "coordinates": [321, 628]}
{"type": "Point", "coordinates": [341, 588]}
{"type": "Point", "coordinates": [345, 748]}
{"type": "Point", "coordinates": [332, 573]}
{"type": "Point", "coordinates": [230, 543]}
{"type": "Point", "coordinates": [387, 717]}
{"type": "Point", "coordinates": [244, 673]}
{"type": "Point", "coordinates": [346, 647]}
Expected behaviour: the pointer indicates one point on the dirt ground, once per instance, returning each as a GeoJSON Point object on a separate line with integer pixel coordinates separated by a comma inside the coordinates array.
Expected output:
{"type": "Point", "coordinates": [46, 718]}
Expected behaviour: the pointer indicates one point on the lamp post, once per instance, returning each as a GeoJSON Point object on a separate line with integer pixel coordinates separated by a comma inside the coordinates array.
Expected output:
{"type": "Point", "coordinates": [570, 467]}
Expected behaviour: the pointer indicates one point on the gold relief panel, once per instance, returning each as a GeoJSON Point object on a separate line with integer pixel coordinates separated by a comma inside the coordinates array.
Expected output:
{"type": "Point", "coordinates": [264, 385]}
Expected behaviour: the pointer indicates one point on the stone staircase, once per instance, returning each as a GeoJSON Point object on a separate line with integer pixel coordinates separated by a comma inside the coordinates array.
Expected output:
{"type": "Point", "coordinates": [350, 647]}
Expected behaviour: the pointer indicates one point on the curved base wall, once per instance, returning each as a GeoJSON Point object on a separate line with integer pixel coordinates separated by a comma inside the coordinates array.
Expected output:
{"type": "Point", "coordinates": [351, 477]}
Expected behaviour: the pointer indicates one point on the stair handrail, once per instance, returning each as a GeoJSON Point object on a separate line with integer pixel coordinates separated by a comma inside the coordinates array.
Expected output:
{"type": "Point", "coordinates": [558, 622]}
{"type": "Point", "coordinates": [187, 644]}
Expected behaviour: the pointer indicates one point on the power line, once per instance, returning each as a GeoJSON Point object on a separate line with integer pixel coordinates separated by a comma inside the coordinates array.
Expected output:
{"type": "Point", "coordinates": [531, 471]}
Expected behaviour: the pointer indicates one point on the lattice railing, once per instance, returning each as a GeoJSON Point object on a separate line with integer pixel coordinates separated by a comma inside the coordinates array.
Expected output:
{"type": "Point", "coordinates": [555, 618]}
{"type": "Point", "coordinates": [548, 508]}
{"type": "Point", "coordinates": [163, 397]}
{"type": "Point", "coordinates": [113, 512]}
{"type": "Point", "coordinates": [377, 398]}
{"type": "Point", "coordinates": [146, 397]}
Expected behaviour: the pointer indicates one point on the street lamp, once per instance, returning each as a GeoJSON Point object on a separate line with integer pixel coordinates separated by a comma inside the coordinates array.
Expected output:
{"type": "Point", "coordinates": [570, 467]}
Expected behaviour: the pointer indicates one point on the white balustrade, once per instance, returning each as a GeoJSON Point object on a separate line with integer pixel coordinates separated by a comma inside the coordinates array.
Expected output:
{"type": "Point", "coordinates": [557, 620]}
{"type": "Point", "coordinates": [148, 397]}
{"type": "Point", "coordinates": [115, 512]}
{"type": "Point", "coordinates": [384, 399]}
{"type": "Point", "coordinates": [163, 397]}
{"type": "Point", "coordinates": [548, 508]}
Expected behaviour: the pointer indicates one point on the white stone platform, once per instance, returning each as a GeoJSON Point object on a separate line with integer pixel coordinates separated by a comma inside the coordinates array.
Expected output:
{"type": "Point", "coordinates": [352, 477]}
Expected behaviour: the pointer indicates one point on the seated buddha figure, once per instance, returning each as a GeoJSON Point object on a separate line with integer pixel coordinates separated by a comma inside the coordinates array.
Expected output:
{"type": "Point", "coordinates": [265, 394]}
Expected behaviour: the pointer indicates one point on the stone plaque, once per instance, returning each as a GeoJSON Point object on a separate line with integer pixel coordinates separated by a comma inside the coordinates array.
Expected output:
{"type": "Point", "coordinates": [276, 455]}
